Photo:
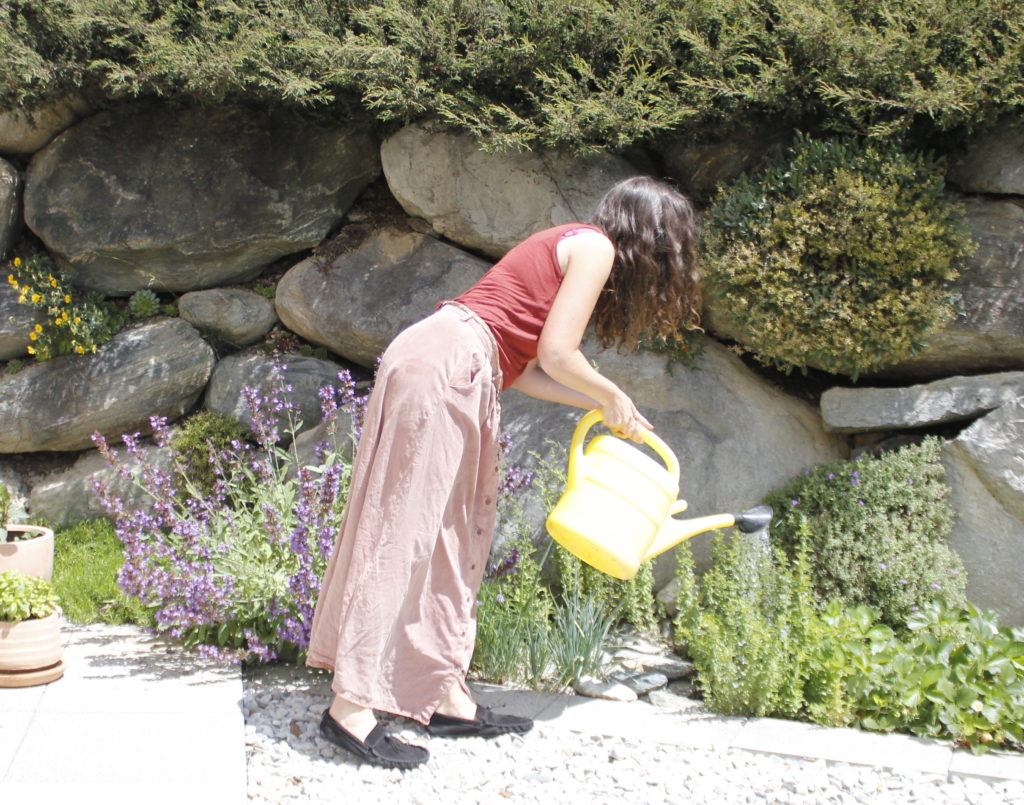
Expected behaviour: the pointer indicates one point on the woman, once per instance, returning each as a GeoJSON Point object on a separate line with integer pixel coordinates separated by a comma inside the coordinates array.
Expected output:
{"type": "Point", "coordinates": [395, 620]}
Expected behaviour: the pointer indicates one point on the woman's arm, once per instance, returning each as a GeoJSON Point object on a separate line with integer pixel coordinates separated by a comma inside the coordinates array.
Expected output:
{"type": "Point", "coordinates": [587, 258]}
{"type": "Point", "coordinates": [538, 383]}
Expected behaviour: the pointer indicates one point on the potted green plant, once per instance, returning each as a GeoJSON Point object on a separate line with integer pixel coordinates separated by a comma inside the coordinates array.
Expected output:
{"type": "Point", "coordinates": [30, 649]}
{"type": "Point", "coordinates": [28, 548]}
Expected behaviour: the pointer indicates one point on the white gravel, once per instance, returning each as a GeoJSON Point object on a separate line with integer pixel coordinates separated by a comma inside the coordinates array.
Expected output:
{"type": "Point", "coordinates": [289, 762]}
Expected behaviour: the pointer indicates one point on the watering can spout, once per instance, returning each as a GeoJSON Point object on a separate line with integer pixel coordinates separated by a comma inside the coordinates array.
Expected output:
{"type": "Point", "coordinates": [673, 532]}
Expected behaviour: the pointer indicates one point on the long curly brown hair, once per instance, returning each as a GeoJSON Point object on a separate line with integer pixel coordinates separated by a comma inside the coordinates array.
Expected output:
{"type": "Point", "coordinates": [654, 286]}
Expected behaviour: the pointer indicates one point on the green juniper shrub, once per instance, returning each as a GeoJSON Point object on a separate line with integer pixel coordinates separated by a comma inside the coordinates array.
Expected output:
{"type": "Point", "coordinates": [202, 434]}
{"type": "Point", "coordinates": [874, 530]}
{"type": "Point", "coordinates": [544, 73]}
{"type": "Point", "coordinates": [87, 559]}
{"type": "Point", "coordinates": [838, 255]}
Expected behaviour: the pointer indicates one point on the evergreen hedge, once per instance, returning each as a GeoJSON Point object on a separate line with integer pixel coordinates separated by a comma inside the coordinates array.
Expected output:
{"type": "Point", "coordinates": [583, 74]}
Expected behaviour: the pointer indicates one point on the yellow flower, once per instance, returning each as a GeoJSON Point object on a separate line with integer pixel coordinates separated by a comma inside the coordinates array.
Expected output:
{"type": "Point", "coordinates": [93, 347]}
{"type": "Point", "coordinates": [57, 320]}
{"type": "Point", "coordinates": [12, 280]}
{"type": "Point", "coordinates": [80, 349]}
{"type": "Point", "coordinates": [78, 319]}
{"type": "Point", "coordinates": [53, 282]}
{"type": "Point", "coordinates": [36, 297]}
{"type": "Point", "coordinates": [64, 315]}
{"type": "Point", "coordinates": [39, 328]}
{"type": "Point", "coordinates": [17, 262]}
{"type": "Point", "coordinates": [67, 299]}
{"type": "Point", "coordinates": [33, 336]}
{"type": "Point", "coordinates": [22, 295]}
{"type": "Point", "coordinates": [31, 350]}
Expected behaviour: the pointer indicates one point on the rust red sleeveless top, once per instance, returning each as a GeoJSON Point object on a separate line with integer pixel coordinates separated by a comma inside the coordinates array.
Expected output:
{"type": "Point", "coordinates": [516, 294]}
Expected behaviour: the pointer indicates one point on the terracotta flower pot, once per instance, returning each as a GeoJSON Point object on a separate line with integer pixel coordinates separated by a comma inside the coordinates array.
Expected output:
{"type": "Point", "coordinates": [33, 557]}
{"type": "Point", "coordinates": [30, 652]}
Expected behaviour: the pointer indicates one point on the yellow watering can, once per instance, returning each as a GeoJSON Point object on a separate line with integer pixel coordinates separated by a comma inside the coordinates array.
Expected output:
{"type": "Point", "coordinates": [616, 511]}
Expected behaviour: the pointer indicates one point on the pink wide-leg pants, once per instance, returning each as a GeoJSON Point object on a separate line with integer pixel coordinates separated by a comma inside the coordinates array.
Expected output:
{"type": "Point", "coordinates": [396, 616]}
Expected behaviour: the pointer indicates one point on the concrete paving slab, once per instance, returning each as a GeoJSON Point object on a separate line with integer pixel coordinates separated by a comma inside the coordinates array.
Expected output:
{"type": "Point", "coordinates": [990, 766]}
{"type": "Point", "coordinates": [13, 726]}
{"type": "Point", "coordinates": [525, 703]}
{"type": "Point", "coordinates": [22, 700]}
{"type": "Point", "coordinates": [898, 752]}
{"type": "Point", "coordinates": [120, 793]}
{"type": "Point", "coordinates": [129, 748]}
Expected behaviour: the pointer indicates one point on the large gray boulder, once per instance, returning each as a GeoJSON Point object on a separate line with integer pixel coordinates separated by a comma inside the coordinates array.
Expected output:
{"type": "Point", "coordinates": [363, 299]}
{"type": "Point", "coordinates": [68, 496]}
{"type": "Point", "coordinates": [737, 437]}
{"type": "Point", "coordinates": [989, 335]}
{"type": "Point", "coordinates": [993, 163]}
{"type": "Point", "coordinates": [291, 378]}
{"type": "Point", "coordinates": [16, 322]}
{"type": "Point", "coordinates": [490, 202]}
{"type": "Point", "coordinates": [25, 132]}
{"type": "Point", "coordinates": [856, 410]}
{"type": "Point", "coordinates": [176, 198]}
{"type": "Point", "coordinates": [10, 207]}
{"type": "Point", "coordinates": [156, 369]}
{"type": "Point", "coordinates": [985, 467]}
{"type": "Point", "coordinates": [238, 316]}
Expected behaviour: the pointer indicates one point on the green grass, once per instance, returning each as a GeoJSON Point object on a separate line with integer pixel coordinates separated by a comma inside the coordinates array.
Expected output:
{"type": "Point", "coordinates": [87, 559]}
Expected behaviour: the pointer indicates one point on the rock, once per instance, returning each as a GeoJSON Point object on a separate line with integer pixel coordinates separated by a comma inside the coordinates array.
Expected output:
{"type": "Point", "coordinates": [66, 497]}
{"type": "Point", "coordinates": [156, 369]}
{"type": "Point", "coordinates": [993, 163]}
{"type": "Point", "coordinates": [642, 684]}
{"type": "Point", "coordinates": [268, 375]}
{"type": "Point", "coordinates": [985, 469]}
{"type": "Point", "coordinates": [16, 322]}
{"type": "Point", "coordinates": [737, 437]}
{"type": "Point", "coordinates": [604, 689]}
{"type": "Point", "coordinates": [239, 316]}
{"type": "Point", "coordinates": [989, 336]}
{"type": "Point", "coordinates": [214, 196]}
{"type": "Point", "coordinates": [700, 168]}
{"type": "Point", "coordinates": [10, 207]}
{"type": "Point", "coordinates": [665, 699]}
{"type": "Point", "coordinates": [854, 410]}
{"type": "Point", "coordinates": [490, 202]}
{"type": "Point", "coordinates": [363, 299]}
{"type": "Point", "coordinates": [25, 132]}
{"type": "Point", "coordinates": [669, 665]}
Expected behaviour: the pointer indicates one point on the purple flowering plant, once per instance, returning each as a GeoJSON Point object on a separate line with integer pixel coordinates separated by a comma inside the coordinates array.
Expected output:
{"type": "Point", "coordinates": [234, 570]}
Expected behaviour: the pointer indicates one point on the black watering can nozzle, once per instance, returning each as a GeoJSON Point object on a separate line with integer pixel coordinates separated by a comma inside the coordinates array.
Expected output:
{"type": "Point", "coordinates": [755, 519]}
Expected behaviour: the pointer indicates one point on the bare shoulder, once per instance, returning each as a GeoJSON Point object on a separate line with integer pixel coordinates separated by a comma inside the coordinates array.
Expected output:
{"type": "Point", "coordinates": [588, 248]}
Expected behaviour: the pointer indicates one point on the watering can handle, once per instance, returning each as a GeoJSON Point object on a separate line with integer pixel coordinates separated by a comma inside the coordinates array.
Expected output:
{"type": "Point", "coordinates": [588, 421]}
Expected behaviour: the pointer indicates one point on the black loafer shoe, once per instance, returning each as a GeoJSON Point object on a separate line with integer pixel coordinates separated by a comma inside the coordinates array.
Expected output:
{"type": "Point", "coordinates": [378, 748]}
{"type": "Point", "coordinates": [487, 724]}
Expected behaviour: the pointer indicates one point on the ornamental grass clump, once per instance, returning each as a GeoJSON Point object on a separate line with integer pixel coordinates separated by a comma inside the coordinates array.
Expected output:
{"type": "Point", "coordinates": [234, 570]}
{"type": "Point", "coordinates": [838, 255]}
{"type": "Point", "coordinates": [874, 530]}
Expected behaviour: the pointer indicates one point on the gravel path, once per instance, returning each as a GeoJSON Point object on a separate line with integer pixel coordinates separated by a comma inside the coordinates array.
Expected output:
{"type": "Point", "coordinates": [289, 762]}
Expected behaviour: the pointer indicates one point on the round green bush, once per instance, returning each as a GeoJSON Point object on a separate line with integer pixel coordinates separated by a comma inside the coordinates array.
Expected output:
{"type": "Point", "coordinates": [874, 530]}
{"type": "Point", "coordinates": [838, 255]}
{"type": "Point", "coordinates": [194, 440]}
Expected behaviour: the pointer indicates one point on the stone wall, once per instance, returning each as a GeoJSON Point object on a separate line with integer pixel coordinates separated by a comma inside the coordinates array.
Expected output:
{"type": "Point", "coordinates": [197, 203]}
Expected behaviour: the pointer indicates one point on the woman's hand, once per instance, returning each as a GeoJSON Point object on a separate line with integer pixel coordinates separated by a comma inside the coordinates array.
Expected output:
{"type": "Point", "coordinates": [623, 419]}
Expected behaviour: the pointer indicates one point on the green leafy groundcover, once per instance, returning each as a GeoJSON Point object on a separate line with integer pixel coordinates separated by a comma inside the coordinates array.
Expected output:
{"type": "Point", "coordinates": [762, 644]}
{"type": "Point", "coordinates": [582, 74]}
